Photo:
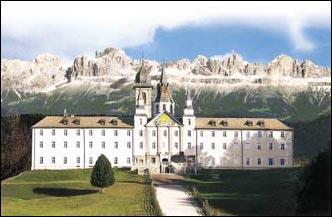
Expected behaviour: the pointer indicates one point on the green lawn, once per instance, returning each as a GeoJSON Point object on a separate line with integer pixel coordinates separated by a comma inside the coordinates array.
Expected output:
{"type": "Point", "coordinates": [68, 192]}
{"type": "Point", "coordinates": [236, 192]}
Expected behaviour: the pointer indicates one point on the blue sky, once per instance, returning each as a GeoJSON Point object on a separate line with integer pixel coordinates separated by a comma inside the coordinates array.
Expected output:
{"type": "Point", "coordinates": [258, 31]}
{"type": "Point", "coordinates": [254, 45]}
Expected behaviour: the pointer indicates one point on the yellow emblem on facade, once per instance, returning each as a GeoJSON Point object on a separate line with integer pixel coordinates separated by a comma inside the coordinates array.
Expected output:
{"type": "Point", "coordinates": [164, 119]}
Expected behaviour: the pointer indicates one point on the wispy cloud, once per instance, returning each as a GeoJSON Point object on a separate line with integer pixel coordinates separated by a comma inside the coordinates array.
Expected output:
{"type": "Point", "coordinates": [71, 28]}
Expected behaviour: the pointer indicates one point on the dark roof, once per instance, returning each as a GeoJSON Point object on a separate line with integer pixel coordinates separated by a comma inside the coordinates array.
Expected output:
{"type": "Point", "coordinates": [143, 76]}
{"type": "Point", "coordinates": [164, 93]}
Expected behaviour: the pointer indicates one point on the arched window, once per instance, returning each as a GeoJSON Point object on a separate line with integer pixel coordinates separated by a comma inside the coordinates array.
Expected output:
{"type": "Point", "coordinates": [164, 107]}
{"type": "Point", "coordinates": [144, 97]}
{"type": "Point", "coordinates": [171, 109]}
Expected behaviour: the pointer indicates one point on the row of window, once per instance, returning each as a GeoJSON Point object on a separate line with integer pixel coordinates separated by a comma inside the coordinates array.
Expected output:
{"type": "Point", "coordinates": [78, 144]}
{"type": "Point", "coordinates": [78, 160]}
{"type": "Point", "coordinates": [270, 161]}
{"type": "Point", "coordinates": [176, 133]}
{"type": "Point", "coordinates": [78, 132]}
{"type": "Point", "coordinates": [213, 133]}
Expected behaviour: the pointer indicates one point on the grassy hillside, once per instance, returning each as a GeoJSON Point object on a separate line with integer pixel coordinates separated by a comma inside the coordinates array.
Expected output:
{"type": "Point", "coordinates": [235, 192]}
{"type": "Point", "coordinates": [263, 102]}
{"type": "Point", "coordinates": [68, 192]}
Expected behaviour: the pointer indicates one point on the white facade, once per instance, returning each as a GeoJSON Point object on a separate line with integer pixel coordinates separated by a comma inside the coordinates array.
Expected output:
{"type": "Point", "coordinates": [149, 142]}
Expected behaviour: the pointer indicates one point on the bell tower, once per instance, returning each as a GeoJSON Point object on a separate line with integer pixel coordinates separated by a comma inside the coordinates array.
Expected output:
{"type": "Point", "coordinates": [143, 91]}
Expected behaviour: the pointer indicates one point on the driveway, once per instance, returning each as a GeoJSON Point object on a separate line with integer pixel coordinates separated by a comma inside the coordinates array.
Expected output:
{"type": "Point", "coordinates": [172, 197]}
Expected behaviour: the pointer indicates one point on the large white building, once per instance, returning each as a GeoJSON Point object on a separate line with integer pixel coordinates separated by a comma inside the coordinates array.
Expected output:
{"type": "Point", "coordinates": [155, 140]}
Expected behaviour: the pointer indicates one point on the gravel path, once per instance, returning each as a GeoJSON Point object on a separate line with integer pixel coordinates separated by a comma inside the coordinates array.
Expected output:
{"type": "Point", "coordinates": [173, 200]}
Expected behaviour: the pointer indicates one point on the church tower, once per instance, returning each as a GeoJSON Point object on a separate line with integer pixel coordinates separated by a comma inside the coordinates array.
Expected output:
{"type": "Point", "coordinates": [143, 91]}
{"type": "Point", "coordinates": [164, 100]}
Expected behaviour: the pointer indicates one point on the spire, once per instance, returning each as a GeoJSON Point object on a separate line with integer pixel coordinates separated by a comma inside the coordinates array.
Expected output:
{"type": "Point", "coordinates": [65, 112]}
{"type": "Point", "coordinates": [163, 74]}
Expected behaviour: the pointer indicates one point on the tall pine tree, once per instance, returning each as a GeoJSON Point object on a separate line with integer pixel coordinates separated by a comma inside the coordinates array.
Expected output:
{"type": "Point", "coordinates": [102, 174]}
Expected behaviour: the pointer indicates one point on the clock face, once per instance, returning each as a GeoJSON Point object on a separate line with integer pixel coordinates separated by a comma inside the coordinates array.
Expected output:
{"type": "Point", "coordinates": [164, 120]}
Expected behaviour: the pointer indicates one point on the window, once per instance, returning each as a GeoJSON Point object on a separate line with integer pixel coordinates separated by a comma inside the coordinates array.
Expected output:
{"type": "Point", "coordinates": [65, 132]}
{"type": "Point", "coordinates": [282, 162]}
{"type": "Point", "coordinates": [259, 146]}
{"type": "Point", "coordinates": [270, 146]}
{"type": "Point", "coordinates": [153, 145]}
{"type": "Point", "coordinates": [90, 160]}
{"type": "Point", "coordinates": [164, 107]}
{"type": "Point", "coordinates": [65, 160]}
{"type": "Point", "coordinates": [41, 145]}
{"type": "Point", "coordinates": [128, 144]}
{"type": "Point", "coordinates": [116, 144]}
{"type": "Point", "coordinates": [65, 144]}
{"type": "Point", "coordinates": [116, 160]}
{"type": "Point", "coordinates": [77, 144]}
{"type": "Point", "coordinates": [153, 160]}
{"type": "Point", "coordinates": [282, 134]}
{"type": "Point", "coordinates": [141, 133]}
{"type": "Point", "coordinates": [153, 133]}
{"type": "Point", "coordinates": [201, 133]}
{"type": "Point", "coordinates": [189, 145]}
{"type": "Point", "coordinates": [40, 132]}
{"type": "Point", "coordinates": [90, 132]}
{"type": "Point", "coordinates": [224, 146]}
{"type": "Point", "coordinates": [128, 160]}
{"type": "Point", "coordinates": [201, 146]}
{"type": "Point", "coordinates": [224, 134]}
{"type": "Point", "coordinates": [259, 161]}
{"type": "Point", "coordinates": [176, 133]}
{"type": "Point", "coordinates": [271, 134]}
{"type": "Point", "coordinates": [103, 132]}
{"type": "Point", "coordinates": [41, 160]}
{"type": "Point", "coordinates": [189, 133]}
{"type": "Point", "coordinates": [78, 160]}
{"type": "Point", "coordinates": [128, 132]}
{"type": "Point", "coordinates": [236, 134]}
{"type": "Point", "coordinates": [53, 132]}
{"type": "Point", "coordinates": [176, 145]}
{"type": "Point", "coordinates": [157, 108]}
{"type": "Point", "coordinates": [189, 121]}
{"type": "Point", "coordinates": [53, 144]}
{"type": "Point", "coordinates": [165, 132]}
{"type": "Point", "coordinates": [53, 160]}
{"type": "Point", "coordinates": [90, 144]}
{"type": "Point", "coordinates": [140, 121]}
{"type": "Point", "coordinates": [141, 145]}
{"type": "Point", "coordinates": [78, 132]}
{"type": "Point", "coordinates": [213, 133]}
{"type": "Point", "coordinates": [248, 134]}
{"type": "Point", "coordinates": [282, 146]}
{"type": "Point", "coordinates": [115, 132]}
{"type": "Point", "coordinates": [259, 134]}
{"type": "Point", "coordinates": [213, 145]}
{"type": "Point", "coordinates": [247, 161]}
{"type": "Point", "coordinates": [171, 109]}
{"type": "Point", "coordinates": [270, 161]}
{"type": "Point", "coordinates": [103, 144]}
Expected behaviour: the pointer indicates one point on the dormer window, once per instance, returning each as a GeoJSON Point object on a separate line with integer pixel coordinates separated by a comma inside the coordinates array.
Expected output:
{"type": "Point", "coordinates": [102, 122]}
{"type": "Point", "coordinates": [224, 123]}
{"type": "Point", "coordinates": [64, 121]}
{"type": "Point", "coordinates": [114, 122]}
{"type": "Point", "coordinates": [77, 121]}
{"type": "Point", "coordinates": [249, 123]}
{"type": "Point", "coordinates": [212, 123]}
{"type": "Point", "coordinates": [261, 123]}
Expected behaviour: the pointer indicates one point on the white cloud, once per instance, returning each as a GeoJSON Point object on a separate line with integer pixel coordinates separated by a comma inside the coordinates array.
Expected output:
{"type": "Point", "coordinates": [70, 28]}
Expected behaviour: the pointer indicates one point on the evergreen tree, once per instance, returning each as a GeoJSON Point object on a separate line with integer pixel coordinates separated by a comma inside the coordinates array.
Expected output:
{"type": "Point", "coordinates": [102, 173]}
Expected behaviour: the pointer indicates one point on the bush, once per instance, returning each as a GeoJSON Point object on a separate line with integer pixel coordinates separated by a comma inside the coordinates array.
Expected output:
{"type": "Point", "coordinates": [102, 174]}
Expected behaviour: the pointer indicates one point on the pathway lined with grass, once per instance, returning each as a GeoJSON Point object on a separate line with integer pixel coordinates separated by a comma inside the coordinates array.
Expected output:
{"type": "Point", "coordinates": [68, 192]}
{"type": "Point", "coordinates": [172, 197]}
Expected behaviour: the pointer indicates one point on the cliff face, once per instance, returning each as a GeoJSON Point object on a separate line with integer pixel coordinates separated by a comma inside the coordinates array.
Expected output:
{"type": "Point", "coordinates": [47, 71]}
